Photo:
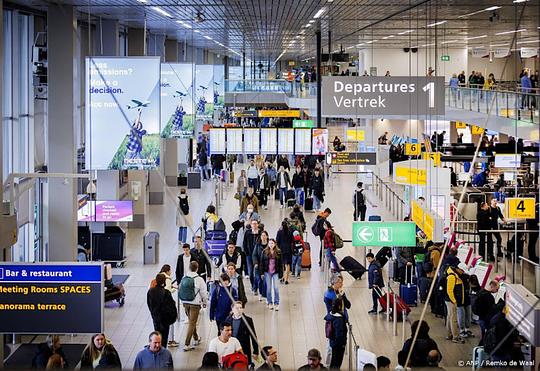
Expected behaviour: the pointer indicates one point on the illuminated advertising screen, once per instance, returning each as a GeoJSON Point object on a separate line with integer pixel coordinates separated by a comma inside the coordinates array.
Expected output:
{"type": "Point", "coordinates": [106, 211]}
{"type": "Point", "coordinates": [219, 85]}
{"type": "Point", "coordinates": [320, 141]}
{"type": "Point", "coordinates": [177, 100]}
{"type": "Point", "coordinates": [204, 91]}
{"type": "Point", "coordinates": [122, 113]}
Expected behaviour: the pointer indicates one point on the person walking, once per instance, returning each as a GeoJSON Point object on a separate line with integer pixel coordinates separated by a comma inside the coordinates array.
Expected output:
{"type": "Point", "coordinates": [242, 185]}
{"type": "Point", "coordinates": [203, 162]}
{"type": "Point", "coordinates": [314, 362]}
{"type": "Point", "coordinates": [162, 308]}
{"type": "Point", "coordinates": [272, 269]}
{"type": "Point", "coordinates": [316, 187]}
{"type": "Point", "coordinates": [298, 185]}
{"type": "Point", "coordinates": [166, 271]}
{"type": "Point", "coordinates": [220, 301]}
{"type": "Point", "coordinates": [336, 332]}
{"type": "Point", "coordinates": [199, 255]}
{"type": "Point", "coordinates": [283, 184]}
{"type": "Point", "coordinates": [264, 189]}
{"type": "Point", "coordinates": [251, 237]}
{"type": "Point", "coordinates": [230, 256]}
{"type": "Point", "coordinates": [154, 356]}
{"type": "Point", "coordinates": [526, 88]}
{"type": "Point", "coordinates": [182, 268]}
{"type": "Point", "coordinates": [194, 296]}
{"type": "Point", "coordinates": [272, 178]}
{"type": "Point", "coordinates": [237, 283]}
{"type": "Point", "coordinates": [297, 252]}
{"type": "Point", "coordinates": [270, 356]}
{"type": "Point", "coordinates": [244, 331]}
{"type": "Point", "coordinates": [249, 199]}
{"type": "Point", "coordinates": [375, 281]}
{"type": "Point", "coordinates": [256, 257]}
{"type": "Point", "coordinates": [252, 175]}
{"type": "Point", "coordinates": [224, 344]}
{"type": "Point", "coordinates": [100, 353]}
{"type": "Point", "coordinates": [183, 217]}
{"type": "Point", "coordinates": [284, 241]}
{"type": "Point", "coordinates": [359, 202]}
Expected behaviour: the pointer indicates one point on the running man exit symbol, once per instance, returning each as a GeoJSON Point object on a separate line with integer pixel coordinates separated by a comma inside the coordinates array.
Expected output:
{"type": "Point", "coordinates": [385, 234]}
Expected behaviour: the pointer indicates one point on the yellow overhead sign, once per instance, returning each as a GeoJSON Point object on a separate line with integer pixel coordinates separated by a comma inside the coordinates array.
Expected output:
{"type": "Point", "coordinates": [356, 135]}
{"type": "Point", "coordinates": [423, 220]}
{"type": "Point", "coordinates": [476, 130]}
{"type": "Point", "coordinates": [461, 125]}
{"type": "Point", "coordinates": [435, 156]}
{"type": "Point", "coordinates": [410, 176]}
{"type": "Point", "coordinates": [520, 208]}
{"type": "Point", "coordinates": [280, 113]}
{"type": "Point", "coordinates": [413, 149]}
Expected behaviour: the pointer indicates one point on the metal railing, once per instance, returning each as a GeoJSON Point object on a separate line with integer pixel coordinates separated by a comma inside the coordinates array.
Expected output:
{"type": "Point", "coordinates": [394, 203]}
{"type": "Point", "coordinates": [353, 349]}
{"type": "Point", "coordinates": [509, 104]}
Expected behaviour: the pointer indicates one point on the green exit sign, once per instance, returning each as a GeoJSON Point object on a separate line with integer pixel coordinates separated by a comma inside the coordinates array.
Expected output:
{"type": "Point", "coordinates": [384, 234]}
{"type": "Point", "coordinates": [304, 124]}
{"type": "Point", "coordinates": [445, 58]}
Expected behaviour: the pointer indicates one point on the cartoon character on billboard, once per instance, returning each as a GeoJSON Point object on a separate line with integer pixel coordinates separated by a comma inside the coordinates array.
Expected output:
{"type": "Point", "coordinates": [178, 120]}
{"type": "Point", "coordinates": [216, 93]}
{"type": "Point", "coordinates": [134, 144]}
{"type": "Point", "coordinates": [320, 144]}
{"type": "Point", "coordinates": [201, 104]}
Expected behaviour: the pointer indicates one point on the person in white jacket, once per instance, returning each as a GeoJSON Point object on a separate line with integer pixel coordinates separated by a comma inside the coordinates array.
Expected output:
{"type": "Point", "coordinates": [193, 307]}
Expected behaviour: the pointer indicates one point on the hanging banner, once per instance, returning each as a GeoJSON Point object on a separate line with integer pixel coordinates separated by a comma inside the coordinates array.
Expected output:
{"type": "Point", "coordinates": [528, 52]}
{"type": "Point", "coordinates": [359, 95]}
{"type": "Point", "coordinates": [177, 100]}
{"type": "Point", "coordinates": [480, 52]}
{"type": "Point", "coordinates": [122, 113]}
{"type": "Point", "coordinates": [204, 91]}
{"type": "Point", "coordinates": [219, 85]}
{"type": "Point", "coordinates": [501, 52]}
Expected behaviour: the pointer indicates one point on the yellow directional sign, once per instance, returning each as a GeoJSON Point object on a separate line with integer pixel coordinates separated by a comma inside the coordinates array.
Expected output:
{"type": "Point", "coordinates": [410, 176]}
{"type": "Point", "coordinates": [520, 208]}
{"type": "Point", "coordinates": [354, 135]}
{"type": "Point", "coordinates": [435, 156]}
{"type": "Point", "coordinates": [423, 220]}
{"type": "Point", "coordinates": [461, 125]}
{"type": "Point", "coordinates": [413, 149]}
{"type": "Point", "coordinates": [477, 130]}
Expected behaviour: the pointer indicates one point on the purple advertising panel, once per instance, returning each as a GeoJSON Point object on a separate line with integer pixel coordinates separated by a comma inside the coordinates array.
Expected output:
{"type": "Point", "coordinates": [106, 211]}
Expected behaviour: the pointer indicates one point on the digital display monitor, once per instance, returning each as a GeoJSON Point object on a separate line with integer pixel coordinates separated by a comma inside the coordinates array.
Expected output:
{"type": "Point", "coordinates": [106, 211]}
{"type": "Point", "coordinates": [252, 141]}
{"type": "Point", "coordinates": [217, 141]}
{"type": "Point", "coordinates": [286, 141]}
{"type": "Point", "coordinates": [509, 176]}
{"type": "Point", "coordinates": [269, 140]}
{"type": "Point", "coordinates": [302, 142]}
{"type": "Point", "coordinates": [320, 141]}
{"type": "Point", "coordinates": [234, 141]}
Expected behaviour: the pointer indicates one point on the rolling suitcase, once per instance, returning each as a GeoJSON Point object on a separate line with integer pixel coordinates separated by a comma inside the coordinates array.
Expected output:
{"type": "Point", "coordinates": [215, 248]}
{"type": "Point", "coordinates": [382, 255]}
{"type": "Point", "coordinates": [424, 283]}
{"type": "Point", "coordinates": [374, 218]}
{"type": "Point", "coordinates": [290, 197]}
{"type": "Point", "coordinates": [353, 267]}
{"type": "Point", "coordinates": [393, 271]}
{"type": "Point", "coordinates": [308, 204]}
{"type": "Point", "coordinates": [401, 306]}
{"type": "Point", "coordinates": [408, 290]}
{"type": "Point", "coordinates": [301, 198]}
{"type": "Point", "coordinates": [306, 256]}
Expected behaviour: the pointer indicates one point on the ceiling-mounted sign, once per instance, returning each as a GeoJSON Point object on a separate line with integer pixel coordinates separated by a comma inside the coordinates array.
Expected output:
{"type": "Point", "coordinates": [280, 113]}
{"type": "Point", "coordinates": [413, 149]}
{"type": "Point", "coordinates": [445, 58]}
{"type": "Point", "coordinates": [520, 208]}
{"type": "Point", "coordinates": [435, 156]}
{"type": "Point", "coordinates": [477, 130]}
{"type": "Point", "coordinates": [501, 52]}
{"type": "Point", "coordinates": [401, 234]}
{"type": "Point", "coordinates": [353, 158]}
{"type": "Point", "coordinates": [528, 52]}
{"type": "Point", "coordinates": [354, 135]}
{"type": "Point", "coordinates": [302, 124]}
{"type": "Point", "coordinates": [250, 114]}
{"type": "Point", "coordinates": [369, 95]}
{"type": "Point", "coordinates": [480, 52]}
{"type": "Point", "coordinates": [461, 125]}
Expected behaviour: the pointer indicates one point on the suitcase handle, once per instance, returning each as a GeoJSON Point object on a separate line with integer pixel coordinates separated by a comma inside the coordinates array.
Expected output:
{"type": "Point", "coordinates": [407, 273]}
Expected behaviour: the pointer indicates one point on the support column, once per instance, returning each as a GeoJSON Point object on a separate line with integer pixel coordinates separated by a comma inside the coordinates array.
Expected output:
{"type": "Point", "coordinates": [243, 65]}
{"type": "Point", "coordinates": [226, 64]}
{"type": "Point", "coordinates": [319, 78]}
{"type": "Point", "coordinates": [137, 181]}
{"type": "Point", "coordinates": [61, 209]}
{"type": "Point", "coordinates": [136, 42]}
{"type": "Point", "coordinates": [108, 38]}
{"type": "Point", "coordinates": [171, 50]}
{"type": "Point", "coordinates": [107, 185]}
{"type": "Point", "coordinates": [156, 46]}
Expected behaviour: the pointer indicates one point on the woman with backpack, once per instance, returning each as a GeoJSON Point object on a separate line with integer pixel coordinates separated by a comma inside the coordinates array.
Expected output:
{"type": "Point", "coordinates": [336, 332]}
{"type": "Point", "coordinates": [272, 269]}
{"type": "Point", "coordinates": [162, 308]}
{"type": "Point", "coordinates": [183, 218]}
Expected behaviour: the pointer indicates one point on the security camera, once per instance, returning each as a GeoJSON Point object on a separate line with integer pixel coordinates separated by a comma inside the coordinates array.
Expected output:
{"type": "Point", "coordinates": [199, 17]}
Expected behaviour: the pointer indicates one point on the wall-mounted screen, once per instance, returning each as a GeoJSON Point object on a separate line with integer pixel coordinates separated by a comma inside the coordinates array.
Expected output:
{"type": "Point", "coordinates": [320, 141]}
{"type": "Point", "coordinates": [285, 141]}
{"type": "Point", "coordinates": [234, 141]}
{"type": "Point", "coordinates": [217, 141]}
{"type": "Point", "coordinates": [269, 140]}
{"type": "Point", "coordinates": [252, 141]}
{"type": "Point", "coordinates": [106, 211]}
{"type": "Point", "coordinates": [302, 141]}
{"type": "Point", "coordinates": [204, 91]}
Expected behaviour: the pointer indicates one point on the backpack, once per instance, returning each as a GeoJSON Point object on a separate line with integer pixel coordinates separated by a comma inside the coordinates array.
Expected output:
{"type": "Point", "coordinates": [490, 340]}
{"type": "Point", "coordinates": [329, 329]}
{"type": "Point", "coordinates": [186, 291]}
{"type": "Point", "coordinates": [169, 312]}
{"type": "Point", "coordinates": [427, 265]}
{"type": "Point", "coordinates": [359, 198]}
{"type": "Point", "coordinates": [220, 225]}
{"type": "Point", "coordinates": [235, 361]}
{"type": "Point", "coordinates": [316, 227]}
{"type": "Point", "coordinates": [338, 241]}
{"type": "Point", "coordinates": [153, 283]}
{"type": "Point", "coordinates": [298, 247]}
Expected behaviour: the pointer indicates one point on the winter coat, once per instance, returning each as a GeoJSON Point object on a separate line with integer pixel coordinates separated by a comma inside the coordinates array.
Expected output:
{"type": "Point", "coordinates": [339, 325]}
{"type": "Point", "coordinates": [265, 262]}
{"type": "Point", "coordinates": [419, 355]}
{"type": "Point", "coordinates": [375, 277]}
{"type": "Point", "coordinates": [220, 303]}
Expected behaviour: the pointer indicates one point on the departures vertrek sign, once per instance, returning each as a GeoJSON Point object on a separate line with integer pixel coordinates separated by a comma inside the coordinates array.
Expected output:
{"type": "Point", "coordinates": [369, 95]}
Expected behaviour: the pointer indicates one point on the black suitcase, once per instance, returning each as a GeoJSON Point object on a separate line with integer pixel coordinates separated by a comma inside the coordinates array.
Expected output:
{"type": "Point", "coordinates": [353, 267]}
{"type": "Point", "coordinates": [438, 307]}
{"type": "Point", "coordinates": [308, 204]}
{"type": "Point", "coordinates": [290, 195]}
{"type": "Point", "coordinates": [383, 254]}
{"type": "Point", "coordinates": [276, 193]}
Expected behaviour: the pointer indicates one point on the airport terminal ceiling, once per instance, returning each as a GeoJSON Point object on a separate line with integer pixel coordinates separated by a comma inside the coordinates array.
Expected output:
{"type": "Point", "coordinates": [269, 29]}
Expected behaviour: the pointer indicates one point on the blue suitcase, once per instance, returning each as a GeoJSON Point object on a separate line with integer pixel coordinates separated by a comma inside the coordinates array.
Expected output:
{"type": "Point", "coordinates": [215, 248]}
{"type": "Point", "coordinates": [216, 235]}
{"type": "Point", "coordinates": [408, 290]}
{"type": "Point", "coordinates": [374, 218]}
{"type": "Point", "coordinates": [301, 197]}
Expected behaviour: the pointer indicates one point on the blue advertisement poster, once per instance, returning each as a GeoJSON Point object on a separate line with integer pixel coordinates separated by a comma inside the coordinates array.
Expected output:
{"type": "Point", "coordinates": [177, 100]}
{"type": "Point", "coordinates": [219, 85]}
{"type": "Point", "coordinates": [122, 112]}
{"type": "Point", "coordinates": [204, 79]}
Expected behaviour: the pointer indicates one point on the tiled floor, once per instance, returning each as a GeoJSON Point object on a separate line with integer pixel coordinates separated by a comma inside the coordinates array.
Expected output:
{"type": "Point", "coordinates": [298, 326]}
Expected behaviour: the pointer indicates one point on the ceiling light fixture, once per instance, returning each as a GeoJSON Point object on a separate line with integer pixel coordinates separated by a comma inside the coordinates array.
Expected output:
{"type": "Point", "coordinates": [499, 44]}
{"type": "Point", "coordinates": [519, 1]}
{"type": "Point", "coordinates": [405, 32]}
{"type": "Point", "coordinates": [449, 41]}
{"type": "Point", "coordinates": [528, 42]}
{"type": "Point", "coordinates": [308, 25]}
{"type": "Point", "coordinates": [278, 58]}
{"type": "Point", "coordinates": [388, 37]}
{"type": "Point", "coordinates": [311, 21]}
{"type": "Point", "coordinates": [198, 31]}
{"type": "Point", "coordinates": [207, 37]}
{"type": "Point", "coordinates": [474, 37]}
{"type": "Point", "coordinates": [371, 42]}
{"type": "Point", "coordinates": [509, 32]}
{"type": "Point", "coordinates": [492, 8]}
{"type": "Point", "coordinates": [480, 11]}
{"type": "Point", "coordinates": [161, 11]}
{"type": "Point", "coordinates": [142, 1]}
{"type": "Point", "coordinates": [436, 24]}
{"type": "Point", "coordinates": [319, 13]}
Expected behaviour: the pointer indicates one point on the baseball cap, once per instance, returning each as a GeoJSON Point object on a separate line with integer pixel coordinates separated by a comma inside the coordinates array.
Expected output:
{"type": "Point", "coordinates": [314, 354]}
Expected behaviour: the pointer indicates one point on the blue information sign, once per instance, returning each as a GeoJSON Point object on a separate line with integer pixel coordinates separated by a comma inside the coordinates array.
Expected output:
{"type": "Point", "coordinates": [50, 273]}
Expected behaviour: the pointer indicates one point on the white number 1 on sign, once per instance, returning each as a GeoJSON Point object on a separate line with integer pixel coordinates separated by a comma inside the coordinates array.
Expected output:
{"type": "Point", "coordinates": [431, 87]}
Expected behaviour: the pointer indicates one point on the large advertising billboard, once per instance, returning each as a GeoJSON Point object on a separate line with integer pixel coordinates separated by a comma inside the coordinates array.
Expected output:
{"type": "Point", "coordinates": [219, 85]}
{"type": "Point", "coordinates": [177, 100]}
{"type": "Point", "coordinates": [122, 112]}
{"type": "Point", "coordinates": [204, 89]}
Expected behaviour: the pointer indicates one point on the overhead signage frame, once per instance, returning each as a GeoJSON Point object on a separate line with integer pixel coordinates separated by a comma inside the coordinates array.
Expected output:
{"type": "Point", "coordinates": [370, 95]}
{"type": "Point", "coordinates": [353, 158]}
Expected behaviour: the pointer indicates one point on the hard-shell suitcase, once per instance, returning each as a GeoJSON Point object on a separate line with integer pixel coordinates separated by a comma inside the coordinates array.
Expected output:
{"type": "Point", "coordinates": [401, 306]}
{"type": "Point", "coordinates": [301, 198]}
{"type": "Point", "coordinates": [308, 204]}
{"type": "Point", "coordinates": [424, 283]}
{"type": "Point", "coordinates": [408, 290]}
{"type": "Point", "coordinates": [393, 271]}
{"type": "Point", "coordinates": [290, 197]}
{"type": "Point", "coordinates": [353, 267]}
{"type": "Point", "coordinates": [306, 256]}
{"type": "Point", "coordinates": [374, 218]}
{"type": "Point", "coordinates": [215, 247]}
{"type": "Point", "coordinates": [382, 255]}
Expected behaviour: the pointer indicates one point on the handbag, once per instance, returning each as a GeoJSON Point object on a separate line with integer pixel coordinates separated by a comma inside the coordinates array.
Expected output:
{"type": "Point", "coordinates": [237, 196]}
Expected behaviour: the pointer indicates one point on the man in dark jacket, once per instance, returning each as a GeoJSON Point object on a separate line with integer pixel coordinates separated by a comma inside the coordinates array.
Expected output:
{"type": "Point", "coordinates": [205, 269]}
{"type": "Point", "coordinates": [182, 264]}
{"type": "Point", "coordinates": [161, 305]}
{"type": "Point", "coordinates": [375, 281]}
{"type": "Point", "coordinates": [483, 218]}
{"type": "Point", "coordinates": [298, 183]}
{"type": "Point", "coordinates": [314, 362]}
{"type": "Point", "coordinates": [251, 238]}
{"type": "Point", "coordinates": [424, 344]}
{"type": "Point", "coordinates": [220, 301]}
{"type": "Point", "coordinates": [483, 306]}
{"type": "Point", "coordinates": [316, 187]}
{"type": "Point", "coordinates": [359, 202]}
{"type": "Point", "coordinates": [505, 336]}
{"type": "Point", "coordinates": [244, 331]}
{"type": "Point", "coordinates": [495, 215]}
